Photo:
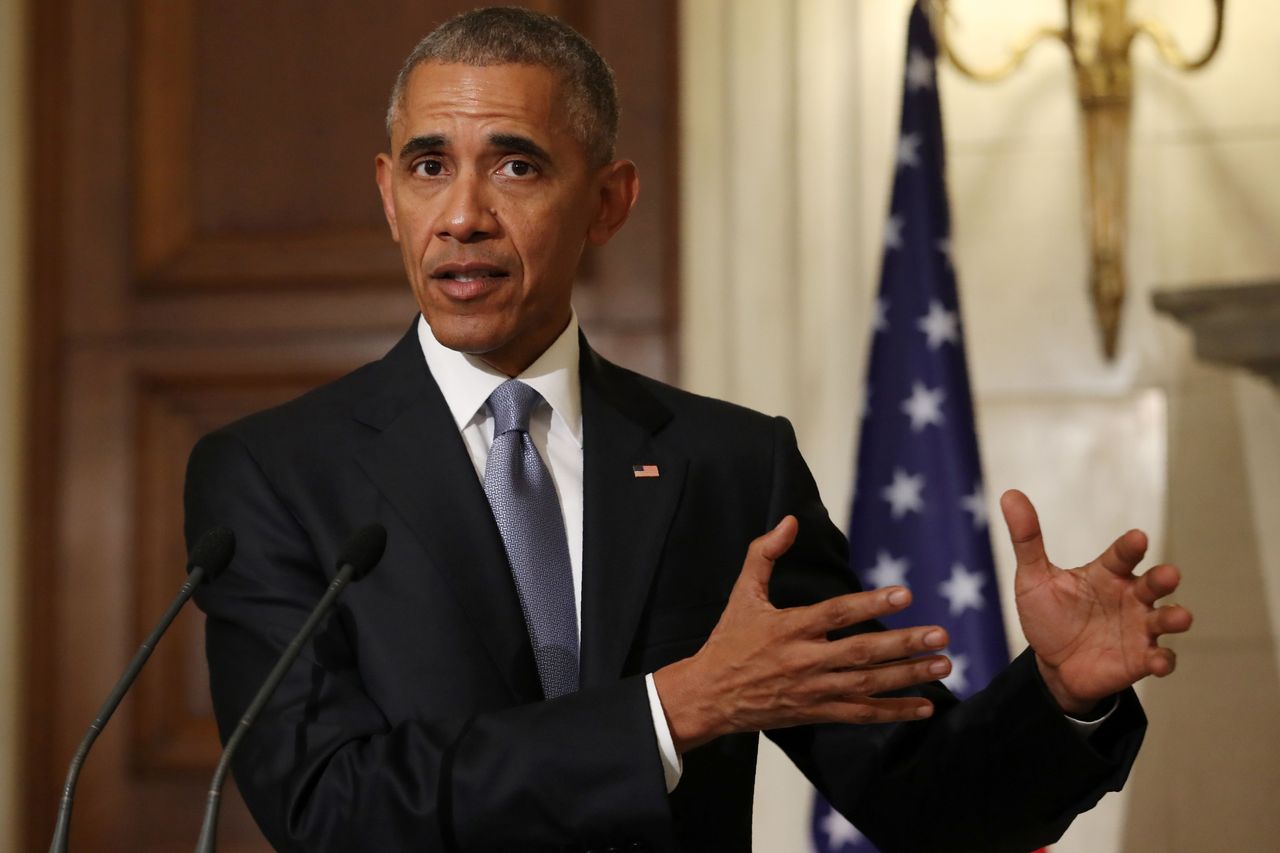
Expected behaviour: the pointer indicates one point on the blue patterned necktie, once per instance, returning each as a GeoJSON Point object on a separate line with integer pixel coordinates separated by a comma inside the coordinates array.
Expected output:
{"type": "Point", "coordinates": [524, 502]}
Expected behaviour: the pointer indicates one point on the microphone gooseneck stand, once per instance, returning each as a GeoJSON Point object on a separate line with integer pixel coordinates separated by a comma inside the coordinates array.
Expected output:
{"type": "Point", "coordinates": [209, 557]}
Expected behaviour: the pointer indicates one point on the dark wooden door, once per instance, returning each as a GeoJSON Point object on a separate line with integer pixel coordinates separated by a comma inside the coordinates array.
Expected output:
{"type": "Point", "coordinates": [208, 242]}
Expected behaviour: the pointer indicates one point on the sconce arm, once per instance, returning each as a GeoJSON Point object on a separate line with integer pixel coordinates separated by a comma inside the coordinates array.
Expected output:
{"type": "Point", "coordinates": [1017, 54]}
{"type": "Point", "coordinates": [1169, 50]}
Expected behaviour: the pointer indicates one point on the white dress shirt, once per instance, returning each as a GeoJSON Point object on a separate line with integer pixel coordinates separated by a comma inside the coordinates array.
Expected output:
{"type": "Point", "coordinates": [555, 427]}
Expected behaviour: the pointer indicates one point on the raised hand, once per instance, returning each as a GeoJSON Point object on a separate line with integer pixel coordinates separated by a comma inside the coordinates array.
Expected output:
{"type": "Point", "coordinates": [1094, 629]}
{"type": "Point", "coordinates": [765, 668]}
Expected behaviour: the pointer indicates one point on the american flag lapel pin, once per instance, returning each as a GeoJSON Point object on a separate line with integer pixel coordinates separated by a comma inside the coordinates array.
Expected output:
{"type": "Point", "coordinates": [639, 471]}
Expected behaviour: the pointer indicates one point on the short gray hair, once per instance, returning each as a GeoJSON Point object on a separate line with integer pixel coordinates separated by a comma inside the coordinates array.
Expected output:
{"type": "Point", "coordinates": [510, 35]}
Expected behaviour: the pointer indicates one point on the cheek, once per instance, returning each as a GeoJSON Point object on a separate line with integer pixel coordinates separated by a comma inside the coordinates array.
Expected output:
{"type": "Point", "coordinates": [550, 243]}
{"type": "Point", "coordinates": [413, 221]}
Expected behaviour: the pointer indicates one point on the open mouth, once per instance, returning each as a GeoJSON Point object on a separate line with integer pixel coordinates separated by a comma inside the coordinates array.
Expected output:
{"type": "Point", "coordinates": [467, 272]}
{"type": "Point", "coordinates": [471, 276]}
{"type": "Point", "coordinates": [467, 282]}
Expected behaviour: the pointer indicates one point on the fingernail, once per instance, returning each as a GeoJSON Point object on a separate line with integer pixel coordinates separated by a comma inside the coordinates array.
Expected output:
{"type": "Point", "coordinates": [898, 597]}
{"type": "Point", "coordinates": [935, 639]}
{"type": "Point", "coordinates": [924, 711]}
{"type": "Point", "coordinates": [940, 667]}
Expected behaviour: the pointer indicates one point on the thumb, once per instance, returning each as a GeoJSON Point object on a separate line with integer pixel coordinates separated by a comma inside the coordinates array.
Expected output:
{"type": "Point", "coordinates": [764, 551]}
{"type": "Point", "coordinates": [1024, 531]}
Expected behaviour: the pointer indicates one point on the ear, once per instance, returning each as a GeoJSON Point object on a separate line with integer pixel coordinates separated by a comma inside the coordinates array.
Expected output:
{"type": "Point", "coordinates": [619, 189]}
{"type": "Point", "coordinates": [383, 167]}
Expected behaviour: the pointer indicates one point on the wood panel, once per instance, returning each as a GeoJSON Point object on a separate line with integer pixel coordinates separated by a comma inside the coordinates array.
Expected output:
{"type": "Point", "coordinates": [207, 241]}
{"type": "Point", "coordinates": [173, 727]}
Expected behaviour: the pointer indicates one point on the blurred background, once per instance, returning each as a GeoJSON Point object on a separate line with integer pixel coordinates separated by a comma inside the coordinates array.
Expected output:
{"type": "Point", "coordinates": [189, 231]}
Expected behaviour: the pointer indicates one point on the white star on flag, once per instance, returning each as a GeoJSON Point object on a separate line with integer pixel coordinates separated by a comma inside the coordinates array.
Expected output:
{"type": "Point", "coordinates": [919, 71]}
{"type": "Point", "coordinates": [908, 151]}
{"type": "Point", "coordinates": [963, 589]}
{"type": "Point", "coordinates": [903, 494]}
{"type": "Point", "coordinates": [888, 571]}
{"type": "Point", "coordinates": [958, 681]}
{"type": "Point", "coordinates": [880, 315]}
{"type": "Point", "coordinates": [976, 504]}
{"type": "Point", "coordinates": [944, 246]}
{"type": "Point", "coordinates": [839, 831]}
{"type": "Point", "coordinates": [893, 233]}
{"type": "Point", "coordinates": [940, 325]}
{"type": "Point", "coordinates": [924, 406]}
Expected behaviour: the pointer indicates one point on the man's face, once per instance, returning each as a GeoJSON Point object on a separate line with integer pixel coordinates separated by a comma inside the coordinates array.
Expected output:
{"type": "Point", "coordinates": [491, 198]}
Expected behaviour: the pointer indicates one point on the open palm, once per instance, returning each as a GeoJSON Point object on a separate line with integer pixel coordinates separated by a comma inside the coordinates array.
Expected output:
{"type": "Point", "coordinates": [1094, 629]}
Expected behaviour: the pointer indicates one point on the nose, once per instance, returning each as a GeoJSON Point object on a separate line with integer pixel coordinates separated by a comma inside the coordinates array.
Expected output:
{"type": "Point", "coordinates": [467, 215]}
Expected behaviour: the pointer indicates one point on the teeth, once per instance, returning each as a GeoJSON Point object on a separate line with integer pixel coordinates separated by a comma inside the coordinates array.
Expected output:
{"type": "Point", "coordinates": [471, 276]}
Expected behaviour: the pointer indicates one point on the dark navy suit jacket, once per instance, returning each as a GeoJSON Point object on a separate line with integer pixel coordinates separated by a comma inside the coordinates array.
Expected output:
{"type": "Point", "coordinates": [415, 720]}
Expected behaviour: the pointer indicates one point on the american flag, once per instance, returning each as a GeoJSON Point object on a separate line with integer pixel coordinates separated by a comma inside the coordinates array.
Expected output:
{"type": "Point", "coordinates": [919, 514]}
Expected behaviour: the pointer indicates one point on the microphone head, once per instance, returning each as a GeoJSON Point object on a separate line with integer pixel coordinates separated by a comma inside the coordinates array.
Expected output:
{"type": "Point", "coordinates": [212, 552]}
{"type": "Point", "coordinates": [363, 550]}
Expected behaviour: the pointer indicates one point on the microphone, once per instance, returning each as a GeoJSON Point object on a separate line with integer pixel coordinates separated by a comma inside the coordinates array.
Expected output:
{"type": "Point", "coordinates": [211, 554]}
{"type": "Point", "coordinates": [361, 553]}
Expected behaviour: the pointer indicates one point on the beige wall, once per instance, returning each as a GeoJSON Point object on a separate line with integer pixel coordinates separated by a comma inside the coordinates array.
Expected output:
{"type": "Point", "coordinates": [791, 110]}
{"type": "Point", "coordinates": [11, 374]}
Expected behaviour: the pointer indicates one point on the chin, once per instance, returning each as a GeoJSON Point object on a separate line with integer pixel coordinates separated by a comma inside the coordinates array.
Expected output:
{"type": "Point", "coordinates": [472, 335]}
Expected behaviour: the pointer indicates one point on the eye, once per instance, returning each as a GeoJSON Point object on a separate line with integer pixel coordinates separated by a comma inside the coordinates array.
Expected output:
{"type": "Point", "coordinates": [428, 168]}
{"type": "Point", "coordinates": [517, 169]}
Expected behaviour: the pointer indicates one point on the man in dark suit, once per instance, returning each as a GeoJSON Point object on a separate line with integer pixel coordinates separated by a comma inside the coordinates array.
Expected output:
{"type": "Point", "coordinates": [598, 589]}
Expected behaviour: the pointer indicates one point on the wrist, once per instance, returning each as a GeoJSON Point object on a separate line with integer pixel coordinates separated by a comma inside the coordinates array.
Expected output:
{"type": "Point", "coordinates": [689, 713]}
{"type": "Point", "coordinates": [1069, 702]}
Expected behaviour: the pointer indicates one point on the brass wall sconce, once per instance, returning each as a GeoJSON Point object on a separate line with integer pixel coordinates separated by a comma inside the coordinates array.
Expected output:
{"type": "Point", "coordinates": [1098, 35]}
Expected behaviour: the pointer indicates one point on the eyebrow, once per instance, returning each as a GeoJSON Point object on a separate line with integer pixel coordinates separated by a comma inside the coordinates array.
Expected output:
{"type": "Point", "coordinates": [512, 142]}
{"type": "Point", "coordinates": [419, 144]}
{"type": "Point", "coordinates": [519, 145]}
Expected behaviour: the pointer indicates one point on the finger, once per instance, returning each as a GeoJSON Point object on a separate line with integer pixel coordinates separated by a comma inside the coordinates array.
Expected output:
{"type": "Point", "coordinates": [1156, 584]}
{"type": "Point", "coordinates": [1173, 619]}
{"type": "Point", "coordinates": [818, 620]}
{"type": "Point", "coordinates": [763, 552]}
{"type": "Point", "coordinates": [1161, 661]}
{"type": "Point", "coordinates": [1024, 529]}
{"type": "Point", "coordinates": [880, 646]}
{"type": "Point", "coordinates": [882, 678]}
{"type": "Point", "coordinates": [866, 711]}
{"type": "Point", "coordinates": [1125, 553]}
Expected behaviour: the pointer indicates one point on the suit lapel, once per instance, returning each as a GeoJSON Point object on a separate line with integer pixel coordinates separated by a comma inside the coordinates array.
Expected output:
{"type": "Point", "coordinates": [419, 463]}
{"type": "Point", "coordinates": [625, 517]}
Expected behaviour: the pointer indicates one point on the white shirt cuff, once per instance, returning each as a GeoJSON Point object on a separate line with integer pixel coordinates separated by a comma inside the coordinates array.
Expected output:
{"type": "Point", "coordinates": [1088, 727]}
{"type": "Point", "coordinates": [672, 765]}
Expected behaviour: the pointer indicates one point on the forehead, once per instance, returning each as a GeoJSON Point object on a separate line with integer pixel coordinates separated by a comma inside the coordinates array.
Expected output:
{"type": "Point", "coordinates": [441, 96]}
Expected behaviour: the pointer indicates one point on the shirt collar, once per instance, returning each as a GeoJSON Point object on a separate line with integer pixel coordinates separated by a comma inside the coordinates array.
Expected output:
{"type": "Point", "coordinates": [466, 381]}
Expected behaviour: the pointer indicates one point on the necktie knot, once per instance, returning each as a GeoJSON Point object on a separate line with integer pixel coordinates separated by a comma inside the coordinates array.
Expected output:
{"type": "Point", "coordinates": [512, 403]}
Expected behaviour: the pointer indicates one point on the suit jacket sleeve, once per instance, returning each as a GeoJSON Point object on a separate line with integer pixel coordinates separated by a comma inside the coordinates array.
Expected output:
{"type": "Point", "coordinates": [1002, 771]}
{"type": "Point", "coordinates": [324, 770]}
